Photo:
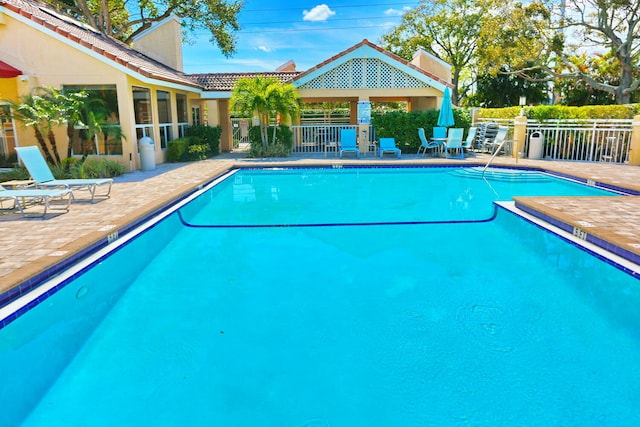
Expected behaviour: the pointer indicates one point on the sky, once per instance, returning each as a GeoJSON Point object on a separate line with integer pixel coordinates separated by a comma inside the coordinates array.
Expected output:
{"type": "Point", "coordinates": [306, 32]}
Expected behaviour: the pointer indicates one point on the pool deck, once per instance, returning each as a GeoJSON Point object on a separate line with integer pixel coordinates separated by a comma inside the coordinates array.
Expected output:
{"type": "Point", "coordinates": [29, 247]}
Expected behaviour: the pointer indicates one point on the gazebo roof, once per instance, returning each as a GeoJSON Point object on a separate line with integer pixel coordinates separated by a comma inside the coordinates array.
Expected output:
{"type": "Point", "coordinates": [225, 81]}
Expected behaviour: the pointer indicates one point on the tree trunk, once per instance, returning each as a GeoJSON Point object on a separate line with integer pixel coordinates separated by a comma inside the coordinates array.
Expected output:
{"type": "Point", "coordinates": [54, 147]}
{"type": "Point", "coordinates": [70, 138]}
{"type": "Point", "coordinates": [455, 79]}
{"type": "Point", "coordinates": [623, 95]}
{"type": "Point", "coordinates": [45, 148]}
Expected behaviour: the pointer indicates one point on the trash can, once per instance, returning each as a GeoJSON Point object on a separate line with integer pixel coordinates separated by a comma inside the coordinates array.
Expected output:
{"type": "Point", "coordinates": [147, 149]}
{"type": "Point", "coordinates": [536, 145]}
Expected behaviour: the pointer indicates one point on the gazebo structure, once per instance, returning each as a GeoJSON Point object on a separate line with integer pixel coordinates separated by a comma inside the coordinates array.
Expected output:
{"type": "Point", "coordinates": [362, 74]}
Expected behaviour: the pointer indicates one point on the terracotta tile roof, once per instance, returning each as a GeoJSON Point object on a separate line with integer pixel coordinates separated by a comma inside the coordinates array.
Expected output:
{"type": "Point", "coordinates": [225, 81]}
{"type": "Point", "coordinates": [392, 56]}
{"type": "Point", "coordinates": [89, 38]}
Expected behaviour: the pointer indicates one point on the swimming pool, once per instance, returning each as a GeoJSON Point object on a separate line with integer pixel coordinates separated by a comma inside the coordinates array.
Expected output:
{"type": "Point", "coordinates": [484, 320]}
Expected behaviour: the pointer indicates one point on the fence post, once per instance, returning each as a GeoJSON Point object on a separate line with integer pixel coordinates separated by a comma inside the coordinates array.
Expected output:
{"type": "Point", "coordinates": [634, 150]}
{"type": "Point", "coordinates": [519, 135]}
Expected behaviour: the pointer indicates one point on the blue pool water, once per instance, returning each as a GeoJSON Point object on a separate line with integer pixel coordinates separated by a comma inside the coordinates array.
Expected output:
{"type": "Point", "coordinates": [475, 323]}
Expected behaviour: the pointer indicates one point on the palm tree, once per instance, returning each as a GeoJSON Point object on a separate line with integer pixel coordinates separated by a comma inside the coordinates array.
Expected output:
{"type": "Point", "coordinates": [36, 111]}
{"type": "Point", "coordinates": [285, 102]}
{"type": "Point", "coordinates": [48, 107]}
{"type": "Point", "coordinates": [90, 115]}
{"type": "Point", "coordinates": [267, 97]}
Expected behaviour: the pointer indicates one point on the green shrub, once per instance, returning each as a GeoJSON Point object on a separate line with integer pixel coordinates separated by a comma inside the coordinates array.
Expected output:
{"type": "Point", "coordinates": [18, 173]}
{"type": "Point", "coordinates": [404, 126]}
{"type": "Point", "coordinates": [94, 167]}
{"type": "Point", "coordinates": [73, 168]}
{"type": "Point", "coordinates": [272, 150]}
{"type": "Point", "coordinates": [207, 135]}
{"type": "Point", "coordinates": [8, 161]}
{"type": "Point", "coordinates": [563, 112]}
{"type": "Point", "coordinates": [177, 149]}
{"type": "Point", "coordinates": [198, 152]}
{"type": "Point", "coordinates": [91, 167]}
{"type": "Point", "coordinates": [281, 148]}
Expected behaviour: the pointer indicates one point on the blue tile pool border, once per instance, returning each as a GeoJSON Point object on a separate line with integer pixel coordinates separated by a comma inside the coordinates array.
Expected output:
{"type": "Point", "coordinates": [34, 282]}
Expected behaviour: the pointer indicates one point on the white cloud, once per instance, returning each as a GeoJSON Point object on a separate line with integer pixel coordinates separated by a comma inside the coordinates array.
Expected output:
{"type": "Point", "coordinates": [263, 48]}
{"type": "Point", "coordinates": [318, 13]}
{"type": "Point", "coordinates": [397, 12]}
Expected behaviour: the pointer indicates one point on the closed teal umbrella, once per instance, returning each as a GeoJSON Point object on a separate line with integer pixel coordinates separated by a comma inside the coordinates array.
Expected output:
{"type": "Point", "coordinates": [445, 118]}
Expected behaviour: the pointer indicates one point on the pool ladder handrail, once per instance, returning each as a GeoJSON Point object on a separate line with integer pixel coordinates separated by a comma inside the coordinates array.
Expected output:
{"type": "Point", "coordinates": [495, 153]}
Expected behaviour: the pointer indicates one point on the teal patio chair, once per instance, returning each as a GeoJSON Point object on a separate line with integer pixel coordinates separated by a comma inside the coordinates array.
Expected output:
{"type": "Point", "coordinates": [425, 144]}
{"type": "Point", "coordinates": [388, 145]}
{"type": "Point", "coordinates": [41, 174]}
{"type": "Point", "coordinates": [348, 142]}
{"type": "Point", "coordinates": [454, 143]}
{"type": "Point", "coordinates": [29, 196]}
{"type": "Point", "coordinates": [471, 136]}
{"type": "Point", "coordinates": [439, 137]}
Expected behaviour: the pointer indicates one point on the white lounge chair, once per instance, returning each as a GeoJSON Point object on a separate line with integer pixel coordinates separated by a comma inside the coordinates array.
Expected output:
{"type": "Point", "coordinates": [41, 174]}
{"type": "Point", "coordinates": [22, 198]}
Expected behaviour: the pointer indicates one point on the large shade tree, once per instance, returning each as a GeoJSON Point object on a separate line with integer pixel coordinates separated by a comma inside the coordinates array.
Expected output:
{"type": "Point", "coordinates": [125, 19]}
{"type": "Point", "coordinates": [505, 89]}
{"type": "Point", "coordinates": [449, 29]}
{"type": "Point", "coordinates": [582, 29]}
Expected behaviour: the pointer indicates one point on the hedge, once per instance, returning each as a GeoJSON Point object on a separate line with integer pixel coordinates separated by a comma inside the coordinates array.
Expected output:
{"type": "Point", "coordinates": [404, 126]}
{"type": "Point", "coordinates": [547, 112]}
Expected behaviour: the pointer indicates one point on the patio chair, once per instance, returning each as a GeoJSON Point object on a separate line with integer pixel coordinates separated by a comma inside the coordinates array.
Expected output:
{"type": "Point", "coordinates": [425, 144]}
{"type": "Point", "coordinates": [439, 136]}
{"type": "Point", "coordinates": [348, 142]}
{"type": "Point", "coordinates": [388, 145]}
{"type": "Point", "coordinates": [485, 135]}
{"type": "Point", "coordinates": [454, 143]}
{"type": "Point", "coordinates": [499, 142]}
{"type": "Point", "coordinates": [41, 174]}
{"type": "Point", "coordinates": [468, 143]}
{"type": "Point", "coordinates": [21, 198]}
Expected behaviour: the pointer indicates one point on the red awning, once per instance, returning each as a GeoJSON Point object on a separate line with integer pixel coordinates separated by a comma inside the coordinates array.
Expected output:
{"type": "Point", "coordinates": [7, 71]}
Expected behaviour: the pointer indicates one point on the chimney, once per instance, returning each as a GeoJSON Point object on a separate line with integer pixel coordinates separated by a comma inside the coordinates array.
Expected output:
{"type": "Point", "coordinates": [429, 62]}
{"type": "Point", "coordinates": [162, 42]}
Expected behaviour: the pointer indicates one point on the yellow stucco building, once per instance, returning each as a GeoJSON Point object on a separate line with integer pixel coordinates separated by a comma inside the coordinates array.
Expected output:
{"type": "Point", "coordinates": [145, 92]}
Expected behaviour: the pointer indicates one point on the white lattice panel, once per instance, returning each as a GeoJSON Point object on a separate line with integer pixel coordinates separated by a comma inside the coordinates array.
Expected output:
{"type": "Point", "coordinates": [366, 73]}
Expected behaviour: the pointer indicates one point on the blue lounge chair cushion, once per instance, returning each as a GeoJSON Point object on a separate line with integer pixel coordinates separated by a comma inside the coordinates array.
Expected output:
{"type": "Point", "coordinates": [41, 174]}
{"type": "Point", "coordinates": [388, 145]}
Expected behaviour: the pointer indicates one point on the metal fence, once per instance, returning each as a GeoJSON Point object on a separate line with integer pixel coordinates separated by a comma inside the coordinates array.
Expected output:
{"type": "Point", "coordinates": [581, 140]}
{"type": "Point", "coordinates": [240, 133]}
{"type": "Point", "coordinates": [321, 138]}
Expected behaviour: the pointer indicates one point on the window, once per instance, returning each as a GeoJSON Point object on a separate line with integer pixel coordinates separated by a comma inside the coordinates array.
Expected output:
{"type": "Point", "coordinates": [142, 111]}
{"type": "Point", "coordinates": [7, 134]}
{"type": "Point", "coordinates": [183, 113]}
{"type": "Point", "coordinates": [195, 115]}
{"type": "Point", "coordinates": [98, 130]}
{"type": "Point", "coordinates": [164, 118]}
